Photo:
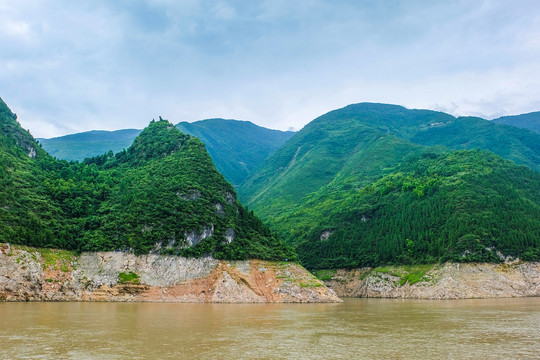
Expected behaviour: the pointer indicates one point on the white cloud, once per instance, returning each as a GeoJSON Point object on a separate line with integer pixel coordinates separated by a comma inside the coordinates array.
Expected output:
{"type": "Point", "coordinates": [106, 65]}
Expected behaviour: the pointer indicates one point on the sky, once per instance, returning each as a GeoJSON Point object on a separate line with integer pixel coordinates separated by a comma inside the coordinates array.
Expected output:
{"type": "Point", "coordinates": [71, 66]}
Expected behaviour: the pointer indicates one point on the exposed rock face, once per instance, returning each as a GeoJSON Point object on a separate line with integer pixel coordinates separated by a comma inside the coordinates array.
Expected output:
{"type": "Point", "coordinates": [326, 234]}
{"type": "Point", "coordinates": [28, 274]}
{"type": "Point", "coordinates": [447, 281]}
{"type": "Point", "coordinates": [195, 237]}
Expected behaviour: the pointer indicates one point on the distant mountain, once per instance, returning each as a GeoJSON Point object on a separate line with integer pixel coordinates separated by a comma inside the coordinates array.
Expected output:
{"type": "Point", "coordinates": [342, 139]}
{"type": "Point", "coordinates": [90, 143]}
{"type": "Point", "coordinates": [236, 147]}
{"type": "Point", "coordinates": [529, 121]}
{"type": "Point", "coordinates": [162, 194]}
{"type": "Point", "coordinates": [519, 145]}
{"type": "Point", "coordinates": [310, 190]}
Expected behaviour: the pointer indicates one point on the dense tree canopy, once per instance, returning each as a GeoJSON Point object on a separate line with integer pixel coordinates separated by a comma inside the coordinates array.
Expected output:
{"type": "Point", "coordinates": [162, 194]}
{"type": "Point", "coordinates": [372, 183]}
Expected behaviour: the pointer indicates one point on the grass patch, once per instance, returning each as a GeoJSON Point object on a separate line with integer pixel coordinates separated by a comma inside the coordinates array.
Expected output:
{"type": "Point", "coordinates": [310, 284]}
{"type": "Point", "coordinates": [128, 278]}
{"type": "Point", "coordinates": [407, 273]}
{"type": "Point", "coordinates": [364, 274]}
{"type": "Point", "coordinates": [50, 257]}
{"type": "Point", "coordinates": [325, 274]}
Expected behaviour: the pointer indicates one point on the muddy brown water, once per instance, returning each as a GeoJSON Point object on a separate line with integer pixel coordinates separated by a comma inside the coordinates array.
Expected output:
{"type": "Point", "coordinates": [355, 329]}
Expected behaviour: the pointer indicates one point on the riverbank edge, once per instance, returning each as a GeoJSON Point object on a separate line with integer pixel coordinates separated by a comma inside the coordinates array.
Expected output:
{"type": "Point", "coordinates": [446, 281]}
{"type": "Point", "coordinates": [38, 274]}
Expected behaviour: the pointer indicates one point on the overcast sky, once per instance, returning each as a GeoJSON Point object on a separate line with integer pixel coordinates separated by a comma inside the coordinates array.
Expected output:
{"type": "Point", "coordinates": [70, 66]}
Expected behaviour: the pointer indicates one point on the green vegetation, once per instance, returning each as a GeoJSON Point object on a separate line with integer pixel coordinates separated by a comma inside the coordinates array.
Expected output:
{"type": "Point", "coordinates": [529, 121]}
{"type": "Point", "coordinates": [461, 206]}
{"type": "Point", "coordinates": [163, 194]}
{"type": "Point", "coordinates": [374, 184]}
{"type": "Point", "coordinates": [519, 145]}
{"type": "Point", "coordinates": [236, 147]}
{"type": "Point", "coordinates": [128, 278]}
{"type": "Point", "coordinates": [89, 144]}
{"type": "Point", "coordinates": [407, 273]}
{"type": "Point", "coordinates": [51, 257]}
{"type": "Point", "coordinates": [325, 274]}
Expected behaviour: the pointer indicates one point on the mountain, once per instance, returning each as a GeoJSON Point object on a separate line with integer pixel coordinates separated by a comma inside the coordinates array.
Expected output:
{"type": "Point", "coordinates": [304, 189]}
{"type": "Point", "coordinates": [163, 194]}
{"type": "Point", "coordinates": [87, 144]}
{"type": "Point", "coordinates": [236, 147]}
{"type": "Point", "coordinates": [519, 145]}
{"type": "Point", "coordinates": [465, 206]}
{"type": "Point", "coordinates": [529, 121]}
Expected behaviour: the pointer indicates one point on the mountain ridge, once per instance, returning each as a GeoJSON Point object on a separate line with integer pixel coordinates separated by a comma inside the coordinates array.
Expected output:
{"type": "Point", "coordinates": [304, 187]}
{"type": "Point", "coordinates": [163, 194]}
{"type": "Point", "coordinates": [237, 147]}
{"type": "Point", "coordinates": [529, 121]}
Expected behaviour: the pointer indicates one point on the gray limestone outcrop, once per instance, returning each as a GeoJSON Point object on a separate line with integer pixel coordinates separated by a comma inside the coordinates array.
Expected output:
{"type": "Point", "coordinates": [445, 281]}
{"type": "Point", "coordinates": [29, 274]}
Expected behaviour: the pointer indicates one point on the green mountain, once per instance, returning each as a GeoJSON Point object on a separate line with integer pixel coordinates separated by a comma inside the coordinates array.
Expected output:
{"type": "Point", "coordinates": [162, 194]}
{"type": "Point", "coordinates": [305, 190]}
{"type": "Point", "coordinates": [519, 145]}
{"type": "Point", "coordinates": [236, 147]}
{"type": "Point", "coordinates": [88, 144]}
{"type": "Point", "coordinates": [464, 206]}
{"type": "Point", "coordinates": [529, 121]}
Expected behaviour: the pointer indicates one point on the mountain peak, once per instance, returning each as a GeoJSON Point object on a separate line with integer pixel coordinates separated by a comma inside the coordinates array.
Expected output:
{"type": "Point", "coordinates": [159, 139]}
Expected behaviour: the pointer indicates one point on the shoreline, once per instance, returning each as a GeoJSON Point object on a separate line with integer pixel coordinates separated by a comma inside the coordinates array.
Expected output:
{"type": "Point", "coordinates": [448, 281]}
{"type": "Point", "coordinates": [32, 274]}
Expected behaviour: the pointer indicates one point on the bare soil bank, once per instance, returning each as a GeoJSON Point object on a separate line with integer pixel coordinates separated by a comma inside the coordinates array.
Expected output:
{"type": "Point", "coordinates": [446, 281]}
{"type": "Point", "coordinates": [30, 274]}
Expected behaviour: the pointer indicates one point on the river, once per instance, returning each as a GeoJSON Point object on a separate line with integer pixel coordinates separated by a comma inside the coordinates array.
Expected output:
{"type": "Point", "coordinates": [355, 329]}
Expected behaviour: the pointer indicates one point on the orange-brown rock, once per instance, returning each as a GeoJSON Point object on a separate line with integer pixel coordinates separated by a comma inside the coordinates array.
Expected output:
{"type": "Point", "coordinates": [28, 274]}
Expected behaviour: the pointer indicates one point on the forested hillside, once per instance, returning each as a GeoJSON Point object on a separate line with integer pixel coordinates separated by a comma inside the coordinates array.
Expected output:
{"type": "Point", "coordinates": [460, 206]}
{"type": "Point", "coordinates": [236, 147]}
{"type": "Point", "coordinates": [529, 121]}
{"type": "Point", "coordinates": [310, 190]}
{"type": "Point", "coordinates": [162, 194]}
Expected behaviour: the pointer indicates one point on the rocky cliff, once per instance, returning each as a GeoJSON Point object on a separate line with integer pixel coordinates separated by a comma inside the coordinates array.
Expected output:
{"type": "Point", "coordinates": [30, 274]}
{"type": "Point", "coordinates": [446, 281]}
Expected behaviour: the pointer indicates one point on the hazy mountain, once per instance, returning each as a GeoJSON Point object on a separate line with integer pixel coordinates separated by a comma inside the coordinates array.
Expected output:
{"type": "Point", "coordinates": [90, 143]}
{"type": "Point", "coordinates": [529, 121]}
{"type": "Point", "coordinates": [236, 147]}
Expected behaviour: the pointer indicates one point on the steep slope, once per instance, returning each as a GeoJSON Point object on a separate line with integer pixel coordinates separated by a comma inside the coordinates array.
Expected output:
{"type": "Point", "coordinates": [162, 194]}
{"type": "Point", "coordinates": [308, 190]}
{"type": "Point", "coordinates": [519, 145]}
{"type": "Point", "coordinates": [361, 140]}
{"type": "Point", "coordinates": [25, 207]}
{"type": "Point", "coordinates": [236, 147]}
{"type": "Point", "coordinates": [88, 144]}
{"type": "Point", "coordinates": [529, 121]}
{"type": "Point", "coordinates": [460, 206]}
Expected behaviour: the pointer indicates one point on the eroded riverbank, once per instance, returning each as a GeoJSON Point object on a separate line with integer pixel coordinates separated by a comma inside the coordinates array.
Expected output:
{"type": "Point", "coordinates": [445, 281]}
{"type": "Point", "coordinates": [29, 274]}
